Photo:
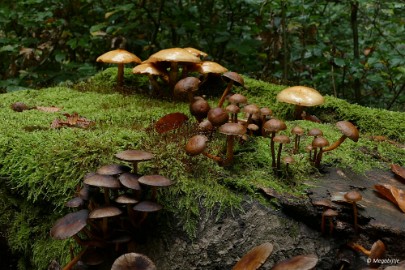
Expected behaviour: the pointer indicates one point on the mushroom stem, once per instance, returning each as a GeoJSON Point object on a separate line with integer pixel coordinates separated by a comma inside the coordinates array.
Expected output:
{"type": "Point", "coordinates": [273, 153]}
{"type": "Point", "coordinates": [359, 248]}
{"type": "Point", "coordinates": [75, 259]}
{"type": "Point", "coordinates": [120, 75]}
{"type": "Point", "coordinates": [298, 111]}
{"type": "Point", "coordinates": [335, 144]}
{"type": "Point", "coordinates": [229, 150]}
{"type": "Point", "coordinates": [323, 222]}
{"type": "Point", "coordinates": [356, 227]}
{"type": "Point", "coordinates": [226, 91]}
{"type": "Point", "coordinates": [330, 226]}
{"type": "Point", "coordinates": [279, 156]}
{"type": "Point", "coordinates": [135, 167]}
{"type": "Point", "coordinates": [318, 158]}
{"type": "Point", "coordinates": [174, 69]}
{"type": "Point", "coordinates": [154, 83]}
{"type": "Point", "coordinates": [106, 195]}
{"type": "Point", "coordinates": [213, 157]}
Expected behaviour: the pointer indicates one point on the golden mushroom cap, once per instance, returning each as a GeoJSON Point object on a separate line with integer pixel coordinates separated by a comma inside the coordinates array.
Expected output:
{"type": "Point", "coordinates": [348, 129]}
{"type": "Point", "coordinates": [210, 67]}
{"type": "Point", "coordinates": [301, 95]}
{"type": "Point", "coordinates": [148, 68]}
{"type": "Point", "coordinates": [196, 52]}
{"type": "Point", "coordinates": [119, 56]}
{"type": "Point", "coordinates": [173, 55]}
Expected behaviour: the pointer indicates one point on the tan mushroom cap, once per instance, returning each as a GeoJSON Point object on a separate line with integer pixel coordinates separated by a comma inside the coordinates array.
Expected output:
{"type": "Point", "coordinates": [104, 212]}
{"type": "Point", "coordinates": [330, 213]}
{"type": "Point", "coordinates": [253, 127]}
{"type": "Point", "coordinates": [301, 95]}
{"type": "Point", "coordinates": [288, 160]}
{"type": "Point", "coordinates": [205, 126]}
{"type": "Point", "coordinates": [196, 145]}
{"type": "Point", "coordinates": [232, 108]}
{"type": "Point", "coordinates": [196, 52]}
{"type": "Point", "coordinates": [209, 67]}
{"type": "Point", "coordinates": [130, 180]}
{"type": "Point", "coordinates": [155, 180]}
{"type": "Point", "coordinates": [232, 129]}
{"type": "Point", "coordinates": [99, 180]}
{"type": "Point", "coordinates": [281, 139]}
{"type": "Point", "coordinates": [119, 56]}
{"type": "Point", "coordinates": [353, 196]}
{"type": "Point", "coordinates": [266, 111]}
{"type": "Point", "coordinates": [274, 125]}
{"type": "Point", "coordinates": [173, 55]}
{"type": "Point", "coordinates": [297, 130]}
{"type": "Point", "coordinates": [134, 155]}
{"type": "Point", "coordinates": [377, 250]}
{"type": "Point", "coordinates": [133, 261]}
{"type": "Point", "coordinates": [315, 132]}
{"type": "Point", "coordinates": [69, 225]}
{"type": "Point", "coordinates": [348, 129]}
{"type": "Point", "coordinates": [233, 76]}
{"type": "Point", "coordinates": [75, 202]}
{"type": "Point", "coordinates": [324, 203]}
{"type": "Point", "coordinates": [320, 142]}
{"type": "Point", "coordinates": [126, 199]}
{"type": "Point", "coordinates": [251, 109]}
{"type": "Point", "coordinates": [148, 68]}
{"type": "Point", "coordinates": [254, 258]}
{"type": "Point", "coordinates": [147, 206]}
{"type": "Point", "coordinates": [237, 99]}
{"type": "Point", "coordinates": [113, 169]}
{"type": "Point", "coordinates": [300, 262]}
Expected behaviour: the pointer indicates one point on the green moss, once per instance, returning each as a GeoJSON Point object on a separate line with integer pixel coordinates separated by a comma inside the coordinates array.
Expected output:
{"type": "Point", "coordinates": [43, 166]}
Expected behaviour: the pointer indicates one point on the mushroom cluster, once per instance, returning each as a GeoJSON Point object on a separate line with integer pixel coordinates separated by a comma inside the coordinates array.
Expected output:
{"type": "Point", "coordinates": [110, 208]}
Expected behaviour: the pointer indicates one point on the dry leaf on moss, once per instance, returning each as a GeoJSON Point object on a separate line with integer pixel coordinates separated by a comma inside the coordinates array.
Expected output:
{"type": "Point", "coordinates": [393, 194]}
{"type": "Point", "coordinates": [72, 120]}
{"type": "Point", "coordinates": [170, 122]}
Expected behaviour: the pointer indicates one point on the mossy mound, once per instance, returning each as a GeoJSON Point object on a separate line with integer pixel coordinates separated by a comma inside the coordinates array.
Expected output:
{"type": "Point", "coordinates": [41, 167]}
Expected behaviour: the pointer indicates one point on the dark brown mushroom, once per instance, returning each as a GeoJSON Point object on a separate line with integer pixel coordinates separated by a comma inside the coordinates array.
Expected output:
{"type": "Point", "coordinates": [217, 116]}
{"type": "Point", "coordinates": [325, 204]}
{"type": "Point", "coordinates": [69, 225]}
{"type": "Point", "coordinates": [106, 182]}
{"type": "Point", "coordinates": [113, 169]}
{"type": "Point", "coordinates": [104, 213]}
{"type": "Point", "coordinates": [329, 214]}
{"type": "Point", "coordinates": [199, 108]}
{"type": "Point", "coordinates": [297, 131]}
{"type": "Point", "coordinates": [186, 87]}
{"type": "Point", "coordinates": [319, 143]}
{"type": "Point", "coordinates": [233, 110]}
{"type": "Point", "coordinates": [281, 139]}
{"type": "Point", "coordinates": [231, 130]}
{"type": "Point", "coordinates": [155, 181]}
{"type": "Point", "coordinates": [146, 207]}
{"type": "Point", "coordinates": [232, 78]}
{"type": "Point", "coordinates": [250, 110]}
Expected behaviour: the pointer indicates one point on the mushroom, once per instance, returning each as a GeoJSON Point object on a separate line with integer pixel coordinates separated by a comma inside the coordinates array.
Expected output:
{"type": "Point", "coordinates": [120, 57]}
{"type": "Point", "coordinates": [300, 262]}
{"type": "Point", "coordinates": [196, 52]}
{"type": "Point", "coordinates": [186, 86]}
{"type": "Point", "coordinates": [348, 130]}
{"type": "Point", "coordinates": [176, 57]}
{"type": "Point", "coordinates": [237, 99]}
{"type": "Point", "coordinates": [353, 197]}
{"type": "Point", "coordinates": [208, 69]}
{"type": "Point", "coordinates": [376, 252]}
{"type": "Point", "coordinates": [254, 258]}
{"type": "Point", "coordinates": [314, 132]}
{"type": "Point", "coordinates": [325, 204]}
{"type": "Point", "coordinates": [106, 182]}
{"type": "Point", "coordinates": [281, 139]}
{"type": "Point", "coordinates": [113, 169]}
{"type": "Point", "coordinates": [69, 225]}
{"type": "Point", "coordinates": [154, 181]}
{"type": "Point", "coordinates": [230, 130]}
{"type": "Point", "coordinates": [319, 142]}
{"type": "Point", "coordinates": [206, 127]}
{"type": "Point", "coordinates": [329, 214]}
{"type": "Point", "coordinates": [231, 78]}
{"type": "Point", "coordinates": [134, 156]}
{"type": "Point", "coordinates": [273, 126]}
{"type": "Point", "coordinates": [217, 116]}
{"type": "Point", "coordinates": [199, 108]}
{"type": "Point", "coordinates": [153, 72]}
{"type": "Point", "coordinates": [146, 207]}
{"type": "Point", "coordinates": [301, 97]}
{"type": "Point", "coordinates": [287, 160]}
{"type": "Point", "coordinates": [133, 261]}
{"type": "Point", "coordinates": [298, 132]}
{"type": "Point", "coordinates": [250, 110]}
{"type": "Point", "coordinates": [197, 144]}
{"type": "Point", "coordinates": [104, 213]}
{"type": "Point", "coordinates": [233, 109]}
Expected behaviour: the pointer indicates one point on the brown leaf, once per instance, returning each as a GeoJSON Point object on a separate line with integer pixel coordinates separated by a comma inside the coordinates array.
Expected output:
{"type": "Point", "coordinates": [393, 194]}
{"type": "Point", "coordinates": [398, 170]}
{"type": "Point", "coordinates": [50, 109]}
{"type": "Point", "coordinates": [170, 122]}
{"type": "Point", "coordinates": [72, 120]}
{"type": "Point", "coordinates": [254, 258]}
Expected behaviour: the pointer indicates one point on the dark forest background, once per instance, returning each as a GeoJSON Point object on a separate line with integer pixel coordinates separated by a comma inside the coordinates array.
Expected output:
{"type": "Point", "coordinates": [354, 50]}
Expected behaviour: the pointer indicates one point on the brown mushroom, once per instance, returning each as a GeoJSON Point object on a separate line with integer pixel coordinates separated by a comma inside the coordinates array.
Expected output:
{"type": "Point", "coordinates": [376, 252]}
{"type": "Point", "coordinates": [153, 72]}
{"type": "Point", "coordinates": [120, 57]}
{"type": "Point", "coordinates": [273, 126]}
{"type": "Point", "coordinates": [281, 139]}
{"type": "Point", "coordinates": [319, 143]}
{"type": "Point", "coordinates": [106, 182]}
{"type": "Point", "coordinates": [325, 204]}
{"type": "Point", "coordinates": [301, 97]}
{"type": "Point", "coordinates": [353, 197]}
{"type": "Point", "coordinates": [230, 130]}
{"type": "Point", "coordinates": [254, 258]}
{"type": "Point", "coordinates": [186, 87]}
{"type": "Point", "coordinates": [237, 99]}
{"type": "Point", "coordinates": [69, 225]}
{"type": "Point", "coordinates": [233, 110]}
{"type": "Point", "coordinates": [146, 207]}
{"type": "Point", "coordinates": [134, 156]}
{"type": "Point", "coordinates": [217, 116]}
{"type": "Point", "coordinates": [298, 132]}
{"type": "Point", "coordinates": [250, 110]}
{"type": "Point", "coordinates": [348, 130]}
{"type": "Point", "coordinates": [197, 144]}
{"type": "Point", "coordinates": [154, 181]}
{"type": "Point", "coordinates": [329, 214]}
{"type": "Point", "coordinates": [113, 169]}
{"type": "Point", "coordinates": [104, 213]}
{"type": "Point", "coordinates": [231, 78]}
{"type": "Point", "coordinates": [199, 108]}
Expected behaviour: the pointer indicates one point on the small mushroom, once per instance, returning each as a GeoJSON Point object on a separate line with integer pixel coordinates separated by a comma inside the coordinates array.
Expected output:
{"type": "Point", "coordinates": [353, 197]}
{"type": "Point", "coordinates": [154, 181]}
{"type": "Point", "coordinates": [153, 72]}
{"type": "Point", "coordinates": [146, 207]}
{"type": "Point", "coordinates": [106, 182]}
{"type": "Point", "coordinates": [199, 108]}
{"type": "Point", "coordinates": [233, 110]}
{"type": "Point", "coordinates": [217, 116]}
{"type": "Point", "coordinates": [301, 97]}
{"type": "Point", "coordinates": [197, 144]}
{"type": "Point", "coordinates": [133, 261]}
{"type": "Point", "coordinates": [186, 87]}
{"type": "Point", "coordinates": [232, 78]}
{"type": "Point", "coordinates": [287, 160]}
{"type": "Point", "coordinates": [104, 213]}
{"type": "Point", "coordinates": [273, 126]}
{"type": "Point", "coordinates": [325, 204]}
{"type": "Point", "coordinates": [281, 139]}
{"type": "Point", "coordinates": [250, 110]}
{"type": "Point", "coordinates": [314, 132]}
{"type": "Point", "coordinates": [298, 132]}
{"type": "Point", "coordinates": [113, 169]}
{"type": "Point", "coordinates": [134, 156]}
{"type": "Point", "coordinates": [230, 130]}
{"type": "Point", "coordinates": [348, 130]}
{"type": "Point", "coordinates": [319, 143]}
{"type": "Point", "coordinates": [329, 214]}
{"type": "Point", "coordinates": [120, 57]}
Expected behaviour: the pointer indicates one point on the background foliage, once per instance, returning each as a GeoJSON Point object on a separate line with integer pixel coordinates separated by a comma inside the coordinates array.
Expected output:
{"type": "Point", "coordinates": [351, 49]}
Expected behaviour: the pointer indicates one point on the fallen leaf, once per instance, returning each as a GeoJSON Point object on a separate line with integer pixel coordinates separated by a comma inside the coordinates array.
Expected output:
{"type": "Point", "coordinates": [170, 122]}
{"type": "Point", "coordinates": [398, 170]}
{"type": "Point", "coordinates": [254, 258]}
{"type": "Point", "coordinates": [72, 120]}
{"type": "Point", "coordinates": [393, 194]}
